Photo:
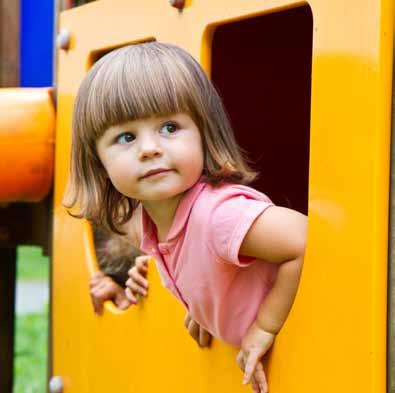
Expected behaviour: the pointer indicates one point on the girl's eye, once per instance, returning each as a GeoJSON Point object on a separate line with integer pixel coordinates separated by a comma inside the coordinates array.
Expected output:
{"type": "Point", "coordinates": [169, 128]}
{"type": "Point", "coordinates": [125, 138]}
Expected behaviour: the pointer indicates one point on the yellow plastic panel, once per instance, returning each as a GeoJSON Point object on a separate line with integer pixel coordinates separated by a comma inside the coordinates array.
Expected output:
{"type": "Point", "coordinates": [27, 126]}
{"type": "Point", "coordinates": [334, 338]}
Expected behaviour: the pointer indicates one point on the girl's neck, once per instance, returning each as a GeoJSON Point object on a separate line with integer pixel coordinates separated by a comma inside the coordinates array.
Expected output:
{"type": "Point", "coordinates": [162, 214]}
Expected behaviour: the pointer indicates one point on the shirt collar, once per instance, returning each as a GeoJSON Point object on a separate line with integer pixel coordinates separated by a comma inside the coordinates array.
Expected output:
{"type": "Point", "coordinates": [180, 218]}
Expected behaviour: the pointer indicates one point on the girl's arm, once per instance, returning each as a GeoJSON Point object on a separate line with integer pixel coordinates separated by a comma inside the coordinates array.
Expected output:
{"type": "Point", "coordinates": [277, 236]}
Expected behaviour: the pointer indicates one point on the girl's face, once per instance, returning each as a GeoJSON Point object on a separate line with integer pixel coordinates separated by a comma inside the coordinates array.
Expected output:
{"type": "Point", "coordinates": [153, 159]}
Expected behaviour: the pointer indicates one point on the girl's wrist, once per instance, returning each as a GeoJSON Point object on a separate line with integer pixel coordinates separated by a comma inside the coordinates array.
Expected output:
{"type": "Point", "coordinates": [268, 327]}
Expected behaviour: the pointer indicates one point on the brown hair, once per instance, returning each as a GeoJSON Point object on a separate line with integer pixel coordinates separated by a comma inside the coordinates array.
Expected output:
{"type": "Point", "coordinates": [115, 254]}
{"type": "Point", "coordinates": [136, 82]}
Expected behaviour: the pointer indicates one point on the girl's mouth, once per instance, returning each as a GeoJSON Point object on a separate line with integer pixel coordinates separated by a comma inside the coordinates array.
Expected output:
{"type": "Point", "coordinates": [155, 173]}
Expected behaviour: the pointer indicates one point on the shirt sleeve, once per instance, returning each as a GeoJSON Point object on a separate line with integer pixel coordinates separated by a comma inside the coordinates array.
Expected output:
{"type": "Point", "coordinates": [230, 221]}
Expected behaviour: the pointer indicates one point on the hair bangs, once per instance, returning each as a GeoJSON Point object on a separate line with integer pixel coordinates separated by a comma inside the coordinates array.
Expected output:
{"type": "Point", "coordinates": [160, 86]}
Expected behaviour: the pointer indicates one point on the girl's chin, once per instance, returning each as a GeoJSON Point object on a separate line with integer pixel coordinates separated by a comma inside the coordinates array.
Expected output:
{"type": "Point", "coordinates": [167, 188]}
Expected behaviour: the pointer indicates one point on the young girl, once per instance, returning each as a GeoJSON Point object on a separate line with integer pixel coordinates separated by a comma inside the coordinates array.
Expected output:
{"type": "Point", "coordinates": [154, 157]}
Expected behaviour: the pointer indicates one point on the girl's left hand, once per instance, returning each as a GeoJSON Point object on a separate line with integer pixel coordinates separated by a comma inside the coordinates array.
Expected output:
{"type": "Point", "coordinates": [254, 345]}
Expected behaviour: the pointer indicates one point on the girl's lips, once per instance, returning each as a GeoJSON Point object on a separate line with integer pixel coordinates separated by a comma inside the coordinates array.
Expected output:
{"type": "Point", "coordinates": [155, 172]}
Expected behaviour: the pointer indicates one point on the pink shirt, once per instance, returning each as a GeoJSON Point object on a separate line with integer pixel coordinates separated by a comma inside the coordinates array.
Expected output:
{"type": "Point", "coordinates": [200, 263]}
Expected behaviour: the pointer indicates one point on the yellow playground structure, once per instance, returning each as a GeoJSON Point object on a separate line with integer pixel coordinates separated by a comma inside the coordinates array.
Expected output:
{"type": "Point", "coordinates": [308, 87]}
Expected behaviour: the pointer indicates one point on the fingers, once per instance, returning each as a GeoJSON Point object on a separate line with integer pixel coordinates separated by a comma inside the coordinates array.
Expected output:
{"type": "Point", "coordinates": [129, 295]}
{"type": "Point", "coordinates": [138, 277]}
{"type": "Point", "coordinates": [141, 264]}
{"type": "Point", "coordinates": [187, 319]}
{"type": "Point", "coordinates": [255, 386]}
{"type": "Point", "coordinates": [97, 306]}
{"type": "Point", "coordinates": [98, 296]}
{"type": "Point", "coordinates": [200, 335]}
{"type": "Point", "coordinates": [193, 329]}
{"type": "Point", "coordinates": [96, 278]}
{"type": "Point", "coordinates": [241, 364]}
{"type": "Point", "coordinates": [136, 288]}
{"type": "Point", "coordinates": [204, 337]}
{"type": "Point", "coordinates": [250, 365]}
{"type": "Point", "coordinates": [103, 288]}
{"type": "Point", "coordinates": [137, 282]}
{"type": "Point", "coordinates": [240, 360]}
{"type": "Point", "coordinates": [260, 378]}
{"type": "Point", "coordinates": [121, 301]}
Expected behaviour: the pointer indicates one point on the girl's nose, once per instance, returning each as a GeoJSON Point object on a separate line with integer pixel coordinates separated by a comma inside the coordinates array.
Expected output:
{"type": "Point", "coordinates": [149, 148]}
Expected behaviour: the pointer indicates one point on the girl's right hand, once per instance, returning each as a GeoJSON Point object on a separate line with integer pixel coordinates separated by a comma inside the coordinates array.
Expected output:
{"type": "Point", "coordinates": [137, 284]}
{"type": "Point", "coordinates": [103, 288]}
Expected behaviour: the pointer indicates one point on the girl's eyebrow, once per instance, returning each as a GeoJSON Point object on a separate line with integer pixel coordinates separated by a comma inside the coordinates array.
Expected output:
{"type": "Point", "coordinates": [161, 119]}
{"type": "Point", "coordinates": [125, 127]}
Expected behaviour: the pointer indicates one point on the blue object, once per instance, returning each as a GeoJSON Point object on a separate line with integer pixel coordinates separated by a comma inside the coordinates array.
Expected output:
{"type": "Point", "coordinates": [36, 42]}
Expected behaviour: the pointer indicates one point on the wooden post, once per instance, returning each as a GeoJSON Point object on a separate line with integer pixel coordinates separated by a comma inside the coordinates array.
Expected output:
{"type": "Point", "coordinates": [9, 77]}
{"type": "Point", "coordinates": [7, 312]}
{"type": "Point", "coordinates": [9, 43]}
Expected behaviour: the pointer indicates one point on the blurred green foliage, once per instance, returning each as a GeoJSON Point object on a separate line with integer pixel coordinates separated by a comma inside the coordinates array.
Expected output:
{"type": "Point", "coordinates": [31, 330]}
{"type": "Point", "coordinates": [30, 367]}
{"type": "Point", "coordinates": [32, 265]}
